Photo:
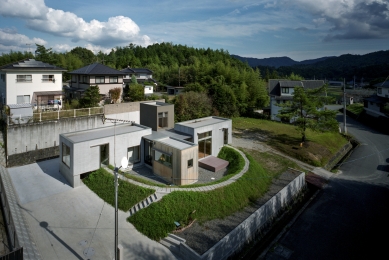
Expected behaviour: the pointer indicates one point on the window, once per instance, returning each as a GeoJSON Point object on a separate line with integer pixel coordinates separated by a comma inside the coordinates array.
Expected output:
{"type": "Point", "coordinates": [162, 119]}
{"type": "Point", "coordinates": [23, 78]}
{"type": "Point", "coordinates": [133, 154]}
{"type": "Point", "coordinates": [2, 77]}
{"type": "Point", "coordinates": [379, 90]}
{"type": "Point", "coordinates": [100, 79]}
{"type": "Point", "coordinates": [163, 158]}
{"type": "Point", "coordinates": [190, 163]}
{"type": "Point", "coordinates": [85, 79]}
{"type": "Point", "coordinates": [66, 154]}
{"type": "Point", "coordinates": [23, 99]}
{"type": "Point", "coordinates": [204, 135]}
{"type": "Point", "coordinates": [113, 79]}
{"type": "Point", "coordinates": [48, 78]}
{"type": "Point", "coordinates": [285, 90]}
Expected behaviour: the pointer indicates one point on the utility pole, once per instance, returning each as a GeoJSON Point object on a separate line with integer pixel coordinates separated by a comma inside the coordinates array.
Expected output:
{"type": "Point", "coordinates": [344, 107]}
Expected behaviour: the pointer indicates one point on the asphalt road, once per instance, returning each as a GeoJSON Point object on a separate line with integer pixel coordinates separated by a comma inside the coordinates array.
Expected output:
{"type": "Point", "coordinates": [349, 219]}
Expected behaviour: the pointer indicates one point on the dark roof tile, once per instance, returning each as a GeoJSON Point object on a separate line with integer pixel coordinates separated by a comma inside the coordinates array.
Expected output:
{"type": "Point", "coordinates": [96, 69]}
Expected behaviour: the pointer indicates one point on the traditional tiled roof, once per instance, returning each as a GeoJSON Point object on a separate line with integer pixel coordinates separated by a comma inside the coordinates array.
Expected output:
{"type": "Point", "coordinates": [384, 84]}
{"type": "Point", "coordinates": [140, 70]}
{"type": "Point", "coordinates": [31, 64]}
{"type": "Point", "coordinates": [96, 69]}
{"type": "Point", "coordinates": [276, 84]}
{"type": "Point", "coordinates": [376, 99]}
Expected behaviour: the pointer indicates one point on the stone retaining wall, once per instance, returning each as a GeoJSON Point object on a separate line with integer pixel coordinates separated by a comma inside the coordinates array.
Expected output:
{"type": "Point", "coordinates": [248, 229]}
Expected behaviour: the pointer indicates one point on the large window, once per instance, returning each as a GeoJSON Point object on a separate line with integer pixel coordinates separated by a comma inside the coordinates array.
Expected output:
{"type": "Point", "coordinates": [23, 99]}
{"type": "Point", "coordinates": [285, 90]}
{"type": "Point", "coordinates": [100, 79]}
{"type": "Point", "coordinates": [163, 158]}
{"type": "Point", "coordinates": [163, 119]}
{"type": "Point", "coordinates": [113, 79]}
{"type": "Point", "coordinates": [133, 154]}
{"type": "Point", "coordinates": [48, 78]}
{"type": "Point", "coordinates": [379, 90]}
{"type": "Point", "coordinates": [23, 78]}
{"type": "Point", "coordinates": [205, 144]}
{"type": "Point", "coordinates": [66, 154]}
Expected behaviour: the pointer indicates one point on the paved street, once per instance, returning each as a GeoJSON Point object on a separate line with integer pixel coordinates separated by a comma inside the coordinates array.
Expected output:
{"type": "Point", "coordinates": [349, 219]}
{"type": "Point", "coordinates": [67, 223]}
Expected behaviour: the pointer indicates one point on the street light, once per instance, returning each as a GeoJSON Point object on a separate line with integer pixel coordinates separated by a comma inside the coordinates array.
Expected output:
{"type": "Point", "coordinates": [124, 164]}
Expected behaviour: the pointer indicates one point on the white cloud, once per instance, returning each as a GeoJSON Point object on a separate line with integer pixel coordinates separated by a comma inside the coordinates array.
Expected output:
{"type": "Point", "coordinates": [116, 30]}
{"type": "Point", "coordinates": [9, 38]}
{"type": "Point", "coordinates": [29, 9]}
{"type": "Point", "coordinates": [95, 48]}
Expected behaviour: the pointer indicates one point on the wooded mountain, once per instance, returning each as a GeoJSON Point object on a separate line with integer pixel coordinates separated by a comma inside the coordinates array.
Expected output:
{"type": "Point", "coordinates": [276, 61]}
{"type": "Point", "coordinates": [368, 67]}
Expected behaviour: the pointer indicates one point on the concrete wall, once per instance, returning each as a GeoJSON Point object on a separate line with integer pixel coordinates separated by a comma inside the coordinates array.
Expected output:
{"type": "Point", "coordinates": [149, 115]}
{"type": "Point", "coordinates": [247, 230]}
{"type": "Point", "coordinates": [31, 140]}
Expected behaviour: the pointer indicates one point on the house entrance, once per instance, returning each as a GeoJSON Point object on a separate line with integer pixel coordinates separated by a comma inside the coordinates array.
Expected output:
{"type": "Point", "coordinates": [104, 155]}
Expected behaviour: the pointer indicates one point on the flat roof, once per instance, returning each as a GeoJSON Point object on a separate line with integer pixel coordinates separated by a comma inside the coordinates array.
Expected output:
{"type": "Point", "coordinates": [93, 134]}
{"type": "Point", "coordinates": [168, 140]}
{"type": "Point", "coordinates": [175, 134]}
{"type": "Point", "coordinates": [203, 122]}
{"type": "Point", "coordinates": [157, 103]}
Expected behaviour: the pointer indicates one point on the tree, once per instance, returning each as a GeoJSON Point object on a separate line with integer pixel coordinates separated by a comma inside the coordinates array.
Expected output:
{"type": "Point", "coordinates": [85, 55]}
{"type": "Point", "coordinates": [91, 97]}
{"type": "Point", "coordinates": [43, 54]}
{"type": "Point", "coordinates": [134, 80]}
{"type": "Point", "coordinates": [191, 105]}
{"type": "Point", "coordinates": [306, 110]}
{"type": "Point", "coordinates": [115, 94]}
{"type": "Point", "coordinates": [136, 92]}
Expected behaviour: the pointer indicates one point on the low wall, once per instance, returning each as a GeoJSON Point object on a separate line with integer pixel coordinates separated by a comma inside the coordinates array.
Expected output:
{"type": "Point", "coordinates": [338, 156]}
{"type": "Point", "coordinates": [248, 229]}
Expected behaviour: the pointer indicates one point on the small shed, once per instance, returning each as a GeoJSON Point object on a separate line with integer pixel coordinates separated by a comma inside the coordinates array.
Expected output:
{"type": "Point", "coordinates": [20, 113]}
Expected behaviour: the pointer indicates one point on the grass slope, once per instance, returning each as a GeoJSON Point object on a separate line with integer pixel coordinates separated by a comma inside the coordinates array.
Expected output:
{"type": "Point", "coordinates": [157, 220]}
{"type": "Point", "coordinates": [102, 183]}
{"type": "Point", "coordinates": [318, 149]}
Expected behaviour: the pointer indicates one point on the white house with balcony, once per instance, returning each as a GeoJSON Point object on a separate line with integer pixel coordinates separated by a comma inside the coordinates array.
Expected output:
{"type": "Point", "coordinates": [281, 91]}
{"type": "Point", "coordinates": [31, 82]}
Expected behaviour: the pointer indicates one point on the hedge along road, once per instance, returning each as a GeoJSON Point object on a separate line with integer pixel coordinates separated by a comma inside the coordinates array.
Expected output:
{"type": "Point", "coordinates": [349, 219]}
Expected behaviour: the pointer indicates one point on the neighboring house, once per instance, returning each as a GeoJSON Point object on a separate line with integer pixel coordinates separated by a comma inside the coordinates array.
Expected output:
{"type": "Point", "coordinates": [31, 82]}
{"type": "Point", "coordinates": [174, 90]}
{"type": "Point", "coordinates": [281, 91]}
{"type": "Point", "coordinates": [95, 74]}
{"type": "Point", "coordinates": [140, 74]}
{"type": "Point", "coordinates": [172, 154]}
{"type": "Point", "coordinates": [374, 105]}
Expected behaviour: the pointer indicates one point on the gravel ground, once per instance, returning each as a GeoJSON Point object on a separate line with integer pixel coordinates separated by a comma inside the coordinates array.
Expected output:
{"type": "Point", "coordinates": [202, 237]}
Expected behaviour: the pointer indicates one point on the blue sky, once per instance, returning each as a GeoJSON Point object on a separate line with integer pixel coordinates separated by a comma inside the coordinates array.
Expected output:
{"type": "Point", "coordinates": [299, 29]}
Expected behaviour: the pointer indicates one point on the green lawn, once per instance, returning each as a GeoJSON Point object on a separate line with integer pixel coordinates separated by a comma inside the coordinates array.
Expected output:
{"type": "Point", "coordinates": [157, 220]}
{"type": "Point", "coordinates": [102, 183]}
{"type": "Point", "coordinates": [318, 149]}
{"type": "Point", "coordinates": [356, 108]}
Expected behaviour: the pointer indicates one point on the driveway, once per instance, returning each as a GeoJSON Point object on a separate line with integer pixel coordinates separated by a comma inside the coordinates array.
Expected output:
{"type": "Point", "coordinates": [69, 223]}
{"type": "Point", "coordinates": [349, 218]}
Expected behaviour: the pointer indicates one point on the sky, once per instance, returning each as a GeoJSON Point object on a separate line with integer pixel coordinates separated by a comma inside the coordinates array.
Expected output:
{"type": "Point", "coordinates": [299, 29]}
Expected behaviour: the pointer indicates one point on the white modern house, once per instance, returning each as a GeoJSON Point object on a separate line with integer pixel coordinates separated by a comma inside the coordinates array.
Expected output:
{"type": "Point", "coordinates": [31, 82]}
{"type": "Point", "coordinates": [281, 91]}
{"type": "Point", "coordinates": [173, 154]}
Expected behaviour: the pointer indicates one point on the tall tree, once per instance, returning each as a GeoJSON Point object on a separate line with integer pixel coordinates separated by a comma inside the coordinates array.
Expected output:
{"type": "Point", "coordinates": [307, 111]}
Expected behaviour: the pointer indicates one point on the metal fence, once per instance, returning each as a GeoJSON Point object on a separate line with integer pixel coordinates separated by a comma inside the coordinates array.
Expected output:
{"type": "Point", "coordinates": [17, 254]}
{"type": "Point", "coordinates": [51, 115]}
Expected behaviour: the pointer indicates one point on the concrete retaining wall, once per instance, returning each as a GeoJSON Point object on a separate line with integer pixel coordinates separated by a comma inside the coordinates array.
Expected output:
{"type": "Point", "coordinates": [338, 156]}
{"type": "Point", "coordinates": [247, 230]}
{"type": "Point", "coordinates": [30, 142]}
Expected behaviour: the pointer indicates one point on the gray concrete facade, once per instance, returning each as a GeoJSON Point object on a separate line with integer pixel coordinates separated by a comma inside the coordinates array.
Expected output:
{"type": "Point", "coordinates": [217, 125]}
{"type": "Point", "coordinates": [85, 148]}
